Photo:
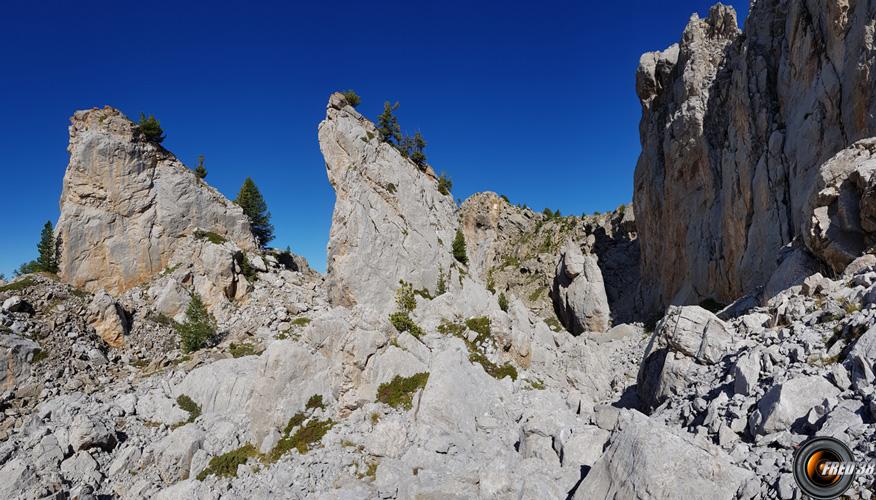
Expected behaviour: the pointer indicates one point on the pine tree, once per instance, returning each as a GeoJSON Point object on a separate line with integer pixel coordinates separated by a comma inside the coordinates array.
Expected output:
{"type": "Point", "coordinates": [254, 206]}
{"type": "Point", "coordinates": [198, 328]}
{"type": "Point", "coordinates": [444, 184]}
{"type": "Point", "coordinates": [387, 124]}
{"type": "Point", "coordinates": [417, 155]}
{"type": "Point", "coordinates": [151, 128]}
{"type": "Point", "coordinates": [459, 247]}
{"type": "Point", "coordinates": [200, 171]}
{"type": "Point", "coordinates": [352, 97]}
{"type": "Point", "coordinates": [48, 259]}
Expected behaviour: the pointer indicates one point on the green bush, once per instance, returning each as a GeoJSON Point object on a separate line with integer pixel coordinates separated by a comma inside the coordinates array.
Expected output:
{"type": "Point", "coordinates": [225, 465]}
{"type": "Point", "coordinates": [198, 328]}
{"type": "Point", "coordinates": [303, 440]}
{"type": "Point", "coordinates": [492, 369]}
{"type": "Point", "coordinates": [403, 323]}
{"type": "Point", "coordinates": [151, 128]}
{"type": "Point", "coordinates": [315, 402]}
{"type": "Point", "coordinates": [404, 297]}
{"type": "Point", "coordinates": [399, 392]}
{"type": "Point", "coordinates": [187, 404]}
{"type": "Point", "coordinates": [503, 302]}
{"type": "Point", "coordinates": [294, 422]}
{"type": "Point", "coordinates": [352, 97]}
{"type": "Point", "coordinates": [246, 268]}
{"type": "Point", "coordinates": [459, 252]}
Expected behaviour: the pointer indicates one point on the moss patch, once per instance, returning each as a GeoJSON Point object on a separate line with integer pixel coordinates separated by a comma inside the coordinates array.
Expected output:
{"type": "Point", "coordinates": [399, 392]}
{"type": "Point", "coordinates": [240, 350]}
{"type": "Point", "coordinates": [481, 326]}
{"type": "Point", "coordinates": [210, 236]}
{"type": "Point", "coordinates": [301, 321]}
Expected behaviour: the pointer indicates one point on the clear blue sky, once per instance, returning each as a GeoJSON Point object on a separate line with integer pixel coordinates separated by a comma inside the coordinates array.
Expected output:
{"type": "Point", "coordinates": [535, 100]}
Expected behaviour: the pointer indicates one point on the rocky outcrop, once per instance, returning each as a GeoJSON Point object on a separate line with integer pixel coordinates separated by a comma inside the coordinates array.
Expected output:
{"type": "Point", "coordinates": [578, 292]}
{"type": "Point", "coordinates": [735, 128]}
{"type": "Point", "coordinates": [390, 223]}
{"type": "Point", "coordinates": [126, 204]}
{"type": "Point", "coordinates": [515, 251]}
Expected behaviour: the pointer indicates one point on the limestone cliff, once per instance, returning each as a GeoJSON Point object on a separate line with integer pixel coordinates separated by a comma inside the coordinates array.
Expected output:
{"type": "Point", "coordinates": [389, 222]}
{"type": "Point", "coordinates": [735, 127]}
{"type": "Point", "coordinates": [127, 203]}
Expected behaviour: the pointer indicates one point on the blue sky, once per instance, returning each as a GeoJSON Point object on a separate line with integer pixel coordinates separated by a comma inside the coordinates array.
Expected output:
{"type": "Point", "coordinates": [535, 100]}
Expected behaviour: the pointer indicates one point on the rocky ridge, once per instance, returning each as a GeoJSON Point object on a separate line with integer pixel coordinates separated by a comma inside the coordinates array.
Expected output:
{"type": "Point", "coordinates": [313, 389]}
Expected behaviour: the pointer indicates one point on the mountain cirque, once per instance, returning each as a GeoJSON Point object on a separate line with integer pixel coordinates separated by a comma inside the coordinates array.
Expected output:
{"type": "Point", "coordinates": [311, 391]}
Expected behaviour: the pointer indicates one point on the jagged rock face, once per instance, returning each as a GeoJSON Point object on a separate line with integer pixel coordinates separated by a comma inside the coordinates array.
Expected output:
{"type": "Point", "coordinates": [389, 222]}
{"type": "Point", "coordinates": [579, 293]}
{"type": "Point", "coordinates": [842, 206]}
{"type": "Point", "coordinates": [515, 250]}
{"type": "Point", "coordinates": [734, 131]}
{"type": "Point", "coordinates": [126, 203]}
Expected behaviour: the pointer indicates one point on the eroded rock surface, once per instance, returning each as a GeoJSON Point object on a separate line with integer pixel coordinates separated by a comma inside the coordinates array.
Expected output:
{"type": "Point", "coordinates": [735, 130]}
{"type": "Point", "coordinates": [389, 221]}
{"type": "Point", "coordinates": [127, 201]}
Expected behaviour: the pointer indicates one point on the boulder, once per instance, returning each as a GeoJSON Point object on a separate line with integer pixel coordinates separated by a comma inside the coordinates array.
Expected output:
{"type": "Point", "coordinates": [645, 460]}
{"type": "Point", "coordinates": [578, 292]}
{"type": "Point", "coordinates": [685, 337]}
{"type": "Point", "coordinates": [91, 432]}
{"type": "Point", "coordinates": [16, 354]}
{"type": "Point", "coordinates": [173, 454]}
{"type": "Point", "coordinates": [126, 202]}
{"type": "Point", "coordinates": [786, 403]}
{"type": "Point", "coordinates": [746, 372]}
{"type": "Point", "coordinates": [108, 319]}
{"type": "Point", "coordinates": [390, 222]}
{"type": "Point", "coordinates": [16, 304]}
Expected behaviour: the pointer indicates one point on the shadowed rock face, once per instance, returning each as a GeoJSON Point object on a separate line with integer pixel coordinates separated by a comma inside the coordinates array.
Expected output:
{"type": "Point", "coordinates": [126, 204]}
{"type": "Point", "coordinates": [734, 131]}
{"type": "Point", "coordinates": [389, 221]}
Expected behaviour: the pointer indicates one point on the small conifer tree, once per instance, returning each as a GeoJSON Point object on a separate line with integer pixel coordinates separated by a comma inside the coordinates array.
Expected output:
{"type": "Point", "coordinates": [387, 124]}
{"type": "Point", "coordinates": [459, 247]}
{"type": "Point", "coordinates": [151, 128]}
{"type": "Point", "coordinates": [200, 170]}
{"type": "Point", "coordinates": [253, 204]}
{"type": "Point", "coordinates": [198, 328]}
{"type": "Point", "coordinates": [417, 155]}
{"type": "Point", "coordinates": [48, 259]}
